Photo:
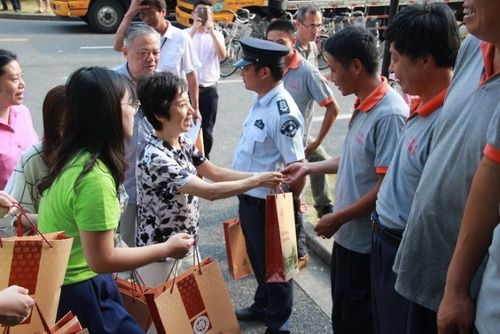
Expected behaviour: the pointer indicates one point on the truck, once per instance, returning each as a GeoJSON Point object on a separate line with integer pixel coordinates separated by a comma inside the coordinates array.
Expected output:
{"type": "Point", "coordinates": [103, 16]}
{"type": "Point", "coordinates": [224, 10]}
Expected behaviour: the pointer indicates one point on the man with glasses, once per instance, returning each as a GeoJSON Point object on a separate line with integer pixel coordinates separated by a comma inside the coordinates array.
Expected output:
{"type": "Point", "coordinates": [308, 23]}
{"type": "Point", "coordinates": [141, 49]}
{"type": "Point", "coordinates": [308, 26]}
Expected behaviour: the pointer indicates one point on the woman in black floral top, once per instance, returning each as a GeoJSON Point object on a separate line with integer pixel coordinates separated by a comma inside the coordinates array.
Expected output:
{"type": "Point", "coordinates": [167, 172]}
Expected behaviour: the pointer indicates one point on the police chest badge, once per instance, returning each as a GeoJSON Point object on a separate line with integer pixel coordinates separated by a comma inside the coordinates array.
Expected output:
{"type": "Point", "coordinates": [283, 107]}
{"type": "Point", "coordinates": [259, 123]}
{"type": "Point", "coordinates": [289, 127]}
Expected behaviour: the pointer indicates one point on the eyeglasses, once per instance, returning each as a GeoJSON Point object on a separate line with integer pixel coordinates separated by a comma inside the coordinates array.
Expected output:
{"type": "Point", "coordinates": [312, 27]}
{"type": "Point", "coordinates": [135, 105]}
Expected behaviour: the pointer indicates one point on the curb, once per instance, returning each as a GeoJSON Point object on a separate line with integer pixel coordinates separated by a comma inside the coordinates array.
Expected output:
{"type": "Point", "coordinates": [322, 248]}
{"type": "Point", "coordinates": [38, 17]}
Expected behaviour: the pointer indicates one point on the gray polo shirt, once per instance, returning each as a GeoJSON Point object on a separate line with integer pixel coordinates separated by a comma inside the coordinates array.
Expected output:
{"type": "Point", "coordinates": [429, 240]}
{"type": "Point", "coordinates": [488, 301]}
{"type": "Point", "coordinates": [368, 149]}
{"type": "Point", "coordinates": [400, 183]}
{"type": "Point", "coordinates": [306, 85]}
{"type": "Point", "coordinates": [310, 54]}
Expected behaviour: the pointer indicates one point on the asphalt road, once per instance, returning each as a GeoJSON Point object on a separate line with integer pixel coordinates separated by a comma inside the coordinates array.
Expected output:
{"type": "Point", "coordinates": [50, 50]}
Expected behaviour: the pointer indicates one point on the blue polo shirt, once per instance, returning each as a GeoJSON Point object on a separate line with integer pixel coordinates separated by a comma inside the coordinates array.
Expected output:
{"type": "Point", "coordinates": [368, 148]}
{"type": "Point", "coordinates": [424, 254]}
{"type": "Point", "coordinates": [396, 193]}
{"type": "Point", "coordinates": [271, 137]}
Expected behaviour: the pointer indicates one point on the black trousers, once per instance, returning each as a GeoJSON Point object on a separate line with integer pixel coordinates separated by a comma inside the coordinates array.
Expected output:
{"type": "Point", "coordinates": [350, 276]}
{"type": "Point", "coordinates": [390, 309]}
{"type": "Point", "coordinates": [15, 4]}
{"type": "Point", "coordinates": [274, 299]}
{"type": "Point", "coordinates": [208, 100]}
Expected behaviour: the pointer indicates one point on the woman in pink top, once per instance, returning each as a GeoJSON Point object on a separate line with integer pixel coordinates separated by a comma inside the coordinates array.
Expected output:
{"type": "Point", "coordinates": [16, 127]}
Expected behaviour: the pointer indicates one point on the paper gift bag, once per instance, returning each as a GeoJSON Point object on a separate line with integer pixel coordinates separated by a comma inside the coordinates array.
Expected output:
{"type": "Point", "coordinates": [237, 257]}
{"type": "Point", "coordinates": [134, 300]}
{"type": "Point", "coordinates": [281, 242]}
{"type": "Point", "coordinates": [69, 324]}
{"type": "Point", "coordinates": [37, 263]}
{"type": "Point", "coordinates": [197, 301]}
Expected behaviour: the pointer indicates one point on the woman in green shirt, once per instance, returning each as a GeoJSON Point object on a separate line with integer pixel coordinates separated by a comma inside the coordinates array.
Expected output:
{"type": "Point", "coordinates": [79, 197]}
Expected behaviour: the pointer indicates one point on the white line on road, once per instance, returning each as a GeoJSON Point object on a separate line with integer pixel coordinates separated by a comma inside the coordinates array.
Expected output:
{"type": "Point", "coordinates": [14, 39]}
{"type": "Point", "coordinates": [341, 116]}
{"type": "Point", "coordinates": [230, 81]}
{"type": "Point", "coordinates": [95, 47]}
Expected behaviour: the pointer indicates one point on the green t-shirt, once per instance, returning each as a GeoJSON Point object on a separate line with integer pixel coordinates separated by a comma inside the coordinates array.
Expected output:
{"type": "Point", "coordinates": [93, 207]}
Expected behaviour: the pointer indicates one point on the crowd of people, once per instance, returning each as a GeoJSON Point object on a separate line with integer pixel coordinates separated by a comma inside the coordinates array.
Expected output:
{"type": "Point", "coordinates": [417, 194]}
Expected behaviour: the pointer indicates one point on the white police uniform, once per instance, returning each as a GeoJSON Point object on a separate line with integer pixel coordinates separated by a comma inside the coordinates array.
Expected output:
{"type": "Point", "coordinates": [271, 138]}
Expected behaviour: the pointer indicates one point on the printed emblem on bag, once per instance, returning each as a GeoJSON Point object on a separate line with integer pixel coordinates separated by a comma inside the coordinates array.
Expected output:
{"type": "Point", "coordinates": [201, 325]}
{"type": "Point", "coordinates": [193, 304]}
{"type": "Point", "coordinates": [283, 107]}
{"type": "Point", "coordinates": [289, 127]}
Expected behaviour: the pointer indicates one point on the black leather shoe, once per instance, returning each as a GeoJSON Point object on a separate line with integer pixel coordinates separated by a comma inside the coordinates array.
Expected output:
{"type": "Point", "coordinates": [249, 314]}
{"type": "Point", "coordinates": [324, 210]}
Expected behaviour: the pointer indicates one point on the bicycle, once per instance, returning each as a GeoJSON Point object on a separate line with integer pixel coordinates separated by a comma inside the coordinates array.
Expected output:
{"type": "Point", "coordinates": [245, 24]}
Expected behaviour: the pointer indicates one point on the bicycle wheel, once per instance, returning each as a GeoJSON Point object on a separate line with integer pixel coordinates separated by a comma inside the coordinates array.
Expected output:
{"type": "Point", "coordinates": [320, 42]}
{"type": "Point", "coordinates": [233, 52]}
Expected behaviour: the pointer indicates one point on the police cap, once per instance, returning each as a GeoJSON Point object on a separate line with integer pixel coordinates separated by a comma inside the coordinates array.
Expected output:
{"type": "Point", "coordinates": [262, 52]}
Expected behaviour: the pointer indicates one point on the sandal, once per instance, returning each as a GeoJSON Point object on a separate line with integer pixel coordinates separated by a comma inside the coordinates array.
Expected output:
{"type": "Point", "coordinates": [38, 11]}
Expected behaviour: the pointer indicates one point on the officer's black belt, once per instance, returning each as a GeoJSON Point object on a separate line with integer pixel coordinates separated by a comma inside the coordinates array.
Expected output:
{"type": "Point", "coordinates": [388, 236]}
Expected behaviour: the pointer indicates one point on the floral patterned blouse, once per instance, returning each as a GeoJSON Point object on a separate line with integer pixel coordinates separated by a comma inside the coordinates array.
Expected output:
{"type": "Point", "coordinates": [163, 210]}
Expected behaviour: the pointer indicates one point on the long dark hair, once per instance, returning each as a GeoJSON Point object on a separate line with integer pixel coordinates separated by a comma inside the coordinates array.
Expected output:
{"type": "Point", "coordinates": [93, 124]}
{"type": "Point", "coordinates": [53, 120]}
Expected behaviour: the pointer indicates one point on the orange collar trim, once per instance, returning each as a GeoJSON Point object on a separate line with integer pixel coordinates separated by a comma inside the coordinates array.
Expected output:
{"type": "Point", "coordinates": [430, 106]}
{"type": "Point", "coordinates": [294, 62]}
{"type": "Point", "coordinates": [488, 51]}
{"type": "Point", "coordinates": [375, 96]}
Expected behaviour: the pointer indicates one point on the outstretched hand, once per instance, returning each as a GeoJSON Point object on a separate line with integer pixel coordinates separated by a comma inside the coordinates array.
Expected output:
{"type": "Point", "coordinates": [6, 202]}
{"type": "Point", "coordinates": [270, 179]}
{"type": "Point", "coordinates": [294, 172]}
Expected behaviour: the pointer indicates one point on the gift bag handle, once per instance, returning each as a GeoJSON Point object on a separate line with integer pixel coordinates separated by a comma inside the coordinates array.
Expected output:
{"type": "Point", "coordinates": [196, 259]}
{"type": "Point", "coordinates": [22, 212]}
{"type": "Point", "coordinates": [275, 191]}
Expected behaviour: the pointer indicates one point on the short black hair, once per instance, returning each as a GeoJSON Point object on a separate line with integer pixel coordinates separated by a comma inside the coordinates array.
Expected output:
{"type": "Point", "coordinates": [158, 4]}
{"type": "Point", "coordinates": [281, 25]}
{"type": "Point", "coordinates": [426, 29]}
{"type": "Point", "coordinates": [276, 70]}
{"type": "Point", "coordinates": [6, 57]}
{"type": "Point", "coordinates": [156, 93]}
{"type": "Point", "coordinates": [351, 43]}
{"type": "Point", "coordinates": [201, 2]}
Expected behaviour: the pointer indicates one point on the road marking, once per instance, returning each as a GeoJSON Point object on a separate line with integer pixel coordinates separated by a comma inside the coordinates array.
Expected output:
{"type": "Point", "coordinates": [95, 47]}
{"type": "Point", "coordinates": [230, 81]}
{"type": "Point", "coordinates": [341, 116]}
{"type": "Point", "coordinates": [13, 39]}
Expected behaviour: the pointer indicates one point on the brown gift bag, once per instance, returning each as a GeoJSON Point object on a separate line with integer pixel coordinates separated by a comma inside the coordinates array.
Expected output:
{"type": "Point", "coordinates": [237, 257]}
{"type": "Point", "coordinates": [134, 300]}
{"type": "Point", "coordinates": [69, 324]}
{"type": "Point", "coordinates": [37, 263]}
{"type": "Point", "coordinates": [197, 301]}
{"type": "Point", "coordinates": [281, 242]}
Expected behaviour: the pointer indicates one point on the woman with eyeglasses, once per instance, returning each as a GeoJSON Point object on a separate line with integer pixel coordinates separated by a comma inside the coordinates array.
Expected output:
{"type": "Point", "coordinates": [168, 186]}
{"type": "Point", "coordinates": [79, 197]}
{"type": "Point", "coordinates": [16, 127]}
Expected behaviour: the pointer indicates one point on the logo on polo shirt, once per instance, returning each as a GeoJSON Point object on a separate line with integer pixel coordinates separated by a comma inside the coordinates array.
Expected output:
{"type": "Point", "coordinates": [412, 146]}
{"type": "Point", "coordinates": [360, 139]}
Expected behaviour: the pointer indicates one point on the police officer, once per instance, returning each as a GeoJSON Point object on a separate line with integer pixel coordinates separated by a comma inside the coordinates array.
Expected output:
{"type": "Point", "coordinates": [271, 138]}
